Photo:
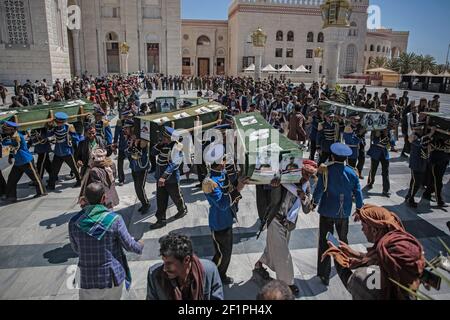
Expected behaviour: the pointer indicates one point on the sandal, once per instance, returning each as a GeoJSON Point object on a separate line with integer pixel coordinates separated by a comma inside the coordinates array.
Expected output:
{"type": "Point", "coordinates": [263, 273]}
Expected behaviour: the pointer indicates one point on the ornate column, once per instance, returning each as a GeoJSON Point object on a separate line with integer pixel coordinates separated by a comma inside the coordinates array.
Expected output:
{"type": "Point", "coordinates": [76, 51]}
{"type": "Point", "coordinates": [318, 55]}
{"type": "Point", "coordinates": [336, 15]}
{"type": "Point", "coordinates": [259, 39]}
{"type": "Point", "coordinates": [124, 49]}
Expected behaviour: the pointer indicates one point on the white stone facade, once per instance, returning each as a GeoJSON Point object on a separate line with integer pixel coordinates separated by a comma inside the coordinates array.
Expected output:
{"type": "Point", "coordinates": [33, 40]}
{"type": "Point", "coordinates": [161, 42]}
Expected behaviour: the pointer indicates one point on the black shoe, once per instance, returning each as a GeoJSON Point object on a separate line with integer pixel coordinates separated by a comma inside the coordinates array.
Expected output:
{"type": "Point", "coordinates": [361, 177]}
{"type": "Point", "coordinates": [77, 185]}
{"type": "Point", "coordinates": [227, 280]}
{"type": "Point", "coordinates": [32, 184]}
{"type": "Point", "coordinates": [325, 281]}
{"type": "Point", "coordinates": [180, 215]}
{"type": "Point", "coordinates": [295, 290]}
{"type": "Point", "coordinates": [426, 197]}
{"type": "Point", "coordinates": [369, 187]}
{"type": "Point", "coordinates": [263, 273]}
{"type": "Point", "coordinates": [51, 188]}
{"type": "Point", "coordinates": [442, 204]}
{"type": "Point", "coordinates": [386, 194]}
{"type": "Point", "coordinates": [40, 195]}
{"type": "Point", "coordinates": [158, 225]}
{"type": "Point", "coordinates": [11, 200]}
{"type": "Point", "coordinates": [411, 203]}
{"type": "Point", "coordinates": [69, 177]}
{"type": "Point", "coordinates": [144, 209]}
{"type": "Point", "coordinates": [121, 184]}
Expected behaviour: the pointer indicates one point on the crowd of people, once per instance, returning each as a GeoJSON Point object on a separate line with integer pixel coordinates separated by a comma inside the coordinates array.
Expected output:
{"type": "Point", "coordinates": [330, 182]}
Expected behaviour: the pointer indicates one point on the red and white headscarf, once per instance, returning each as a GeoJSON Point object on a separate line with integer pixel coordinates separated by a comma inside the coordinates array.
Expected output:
{"type": "Point", "coordinates": [310, 166]}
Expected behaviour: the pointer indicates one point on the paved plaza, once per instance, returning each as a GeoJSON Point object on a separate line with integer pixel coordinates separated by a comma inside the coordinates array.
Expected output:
{"type": "Point", "coordinates": [37, 262]}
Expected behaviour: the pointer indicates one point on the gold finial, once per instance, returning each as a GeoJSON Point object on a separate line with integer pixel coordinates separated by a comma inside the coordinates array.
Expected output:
{"type": "Point", "coordinates": [124, 48]}
{"type": "Point", "coordinates": [336, 13]}
{"type": "Point", "coordinates": [259, 38]}
{"type": "Point", "coordinates": [318, 53]}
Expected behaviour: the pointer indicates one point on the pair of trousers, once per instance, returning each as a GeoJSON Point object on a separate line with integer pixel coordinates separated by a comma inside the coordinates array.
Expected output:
{"type": "Point", "coordinates": [223, 245]}
{"type": "Point", "coordinates": [417, 181]}
{"type": "Point", "coordinates": [276, 254]}
{"type": "Point", "coordinates": [361, 160]}
{"type": "Point", "coordinates": [114, 293]}
{"type": "Point", "coordinates": [435, 181]}
{"type": "Point", "coordinates": [16, 174]}
{"type": "Point", "coordinates": [2, 184]}
{"type": "Point", "coordinates": [263, 197]}
{"type": "Point", "coordinates": [44, 164]}
{"type": "Point", "coordinates": [312, 150]}
{"type": "Point", "coordinates": [57, 164]}
{"type": "Point", "coordinates": [202, 172]}
{"type": "Point", "coordinates": [120, 161]}
{"type": "Point", "coordinates": [384, 173]}
{"type": "Point", "coordinates": [326, 225]}
{"type": "Point", "coordinates": [140, 179]}
{"type": "Point", "coordinates": [173, 191]}
{"type": "Point", "coordinates": [324, 157]}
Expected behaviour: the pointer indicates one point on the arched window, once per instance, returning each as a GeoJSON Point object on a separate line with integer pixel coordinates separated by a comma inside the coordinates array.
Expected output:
{"type": "Point", "coordinates": [279, 35]}
{"type": "Point", "coordinates": [112, 37]}
{"type": "Point", "coordinates": [290, 36]}
{"type": "Point", "coordinates": [320, 37]}
{"type": "Point", "coordinates": [351, 59]}
{"type": "Point", "coordinates": [384, 49]}
{"type": "Point", "coordinates": [372, 47]}
{"type": "Point", "coordinates": [203, 41]}
{"type": "Point", "coordinates": [310, 37]}
{"type": "Point", "coordinates": [378, 48]}
{"type": "Point", "coordinates": [370, 61]}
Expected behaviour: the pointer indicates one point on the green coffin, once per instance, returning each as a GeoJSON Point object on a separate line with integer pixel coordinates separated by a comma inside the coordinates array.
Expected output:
{"type": "Point", "coordinates": [210, 114]}
{"type": "Point", "coordinates": [36, 117]}
{"type": "Point", "coordinates": [370, 119]}
{"type": "Point", "coordinates": [263, 153]}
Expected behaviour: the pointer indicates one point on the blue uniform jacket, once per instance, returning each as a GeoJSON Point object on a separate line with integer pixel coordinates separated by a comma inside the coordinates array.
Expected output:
{"type": "Point", "coordinates": [314, 126]}
{"type": "Point", "coordinates": [104, 131]}
{"type": "Point", "coordinates": [120, 139]}
{"type": "Point", "coordinates": [22, 156]}
{"type": "Point", "coordinates": [335, 189]}
{"type": "Point", "coordinates": [352, 140]}
{"type": "Point", "coordinates": [65, 136]}
{"type": "Point", "coordinates": [166, 167]}
{"type": "Point", "coordinates": [326, 136]}
{"type": "Point", "coordinates": [140, 165]}
{"type": "Point", "coordinates": [220, 211]}
{"type": "Point", "coordinates": [379, 148]}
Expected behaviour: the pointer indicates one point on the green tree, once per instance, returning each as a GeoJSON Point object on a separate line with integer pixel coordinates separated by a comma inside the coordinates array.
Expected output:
{"type": "Point", "coordinates": [378, 62]}
{"type": "Point", "coordinates": [406, 62]}
{"type": "Point", "coordinates": [425, 63]}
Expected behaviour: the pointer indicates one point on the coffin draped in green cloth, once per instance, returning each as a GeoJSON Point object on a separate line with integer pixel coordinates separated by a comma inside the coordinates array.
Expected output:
{"type": "Point", "coordinates": [263, 153]}
{"type": "Point", "coordinates": [370, 119]}
{"type": "Point", "coordinates": [36, 117]}
{"type": "Point", "coordinates": [149, 127]}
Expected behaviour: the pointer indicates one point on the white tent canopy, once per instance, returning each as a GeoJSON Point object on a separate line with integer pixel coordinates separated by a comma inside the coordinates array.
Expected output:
{"type": "Point", "coordinates": [302, 69]}
{"type": "Point", "coordinates": [380, 70]}
{"type": "Point", "coordinates": [285, 68]}
{"type": "Point", "coordinates": [250, 68]}
{"type": "Point", "coordinates": [269, 68]}
{"type": "Point", "coordinates": [445, 74]}
{"type": "Point", "coordinates": [428, 74]}
{"type": "Point", "coordinates": [412, 74]}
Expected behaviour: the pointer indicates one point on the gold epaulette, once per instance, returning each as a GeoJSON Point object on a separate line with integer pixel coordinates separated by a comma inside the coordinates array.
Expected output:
{"type": "Point", "coordinates": [105, 123]}
{"type": "Point", "coordinates": [209, 185]}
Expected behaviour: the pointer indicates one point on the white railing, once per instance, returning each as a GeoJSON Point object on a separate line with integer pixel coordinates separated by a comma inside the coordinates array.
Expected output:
{"type": "Point", "coordinates": [282, 2]}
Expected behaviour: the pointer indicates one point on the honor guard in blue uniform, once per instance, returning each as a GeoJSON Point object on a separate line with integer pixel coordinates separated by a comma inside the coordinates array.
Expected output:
{"type": "Point", "coordinates": [137, 152]}
{"type": "Point", "coordinates": [65, 138]}
{"type": "Point", "coordinates": [327, 134]}
{"type": "Point", "coordinates": [121, 144]}
{"type": "Point", "coordinates": [379, 153]}
{"type": "Point", "coordinates": [23, 162]}
{"type": "Point", "coordinates": [419, 157]}
{"type": "Point", "coordinates": [169, 158]}
{"type": "Point", "coordinates": [336, 187]}
{"type": "Point", "coordinates": [354, 137]}
{"type": "Point", "coordinates": [439, 160]}
{"type": "Point", "coordinates": [43, 148]}
{"type": "Point", "coordinates": [103, 129]}
{"type": "Point", "coordinates": [218, 192]}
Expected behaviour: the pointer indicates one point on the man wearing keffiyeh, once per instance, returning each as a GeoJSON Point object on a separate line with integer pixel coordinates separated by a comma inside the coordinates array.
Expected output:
{"type": "Point", "coordinates": [396, 255]}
